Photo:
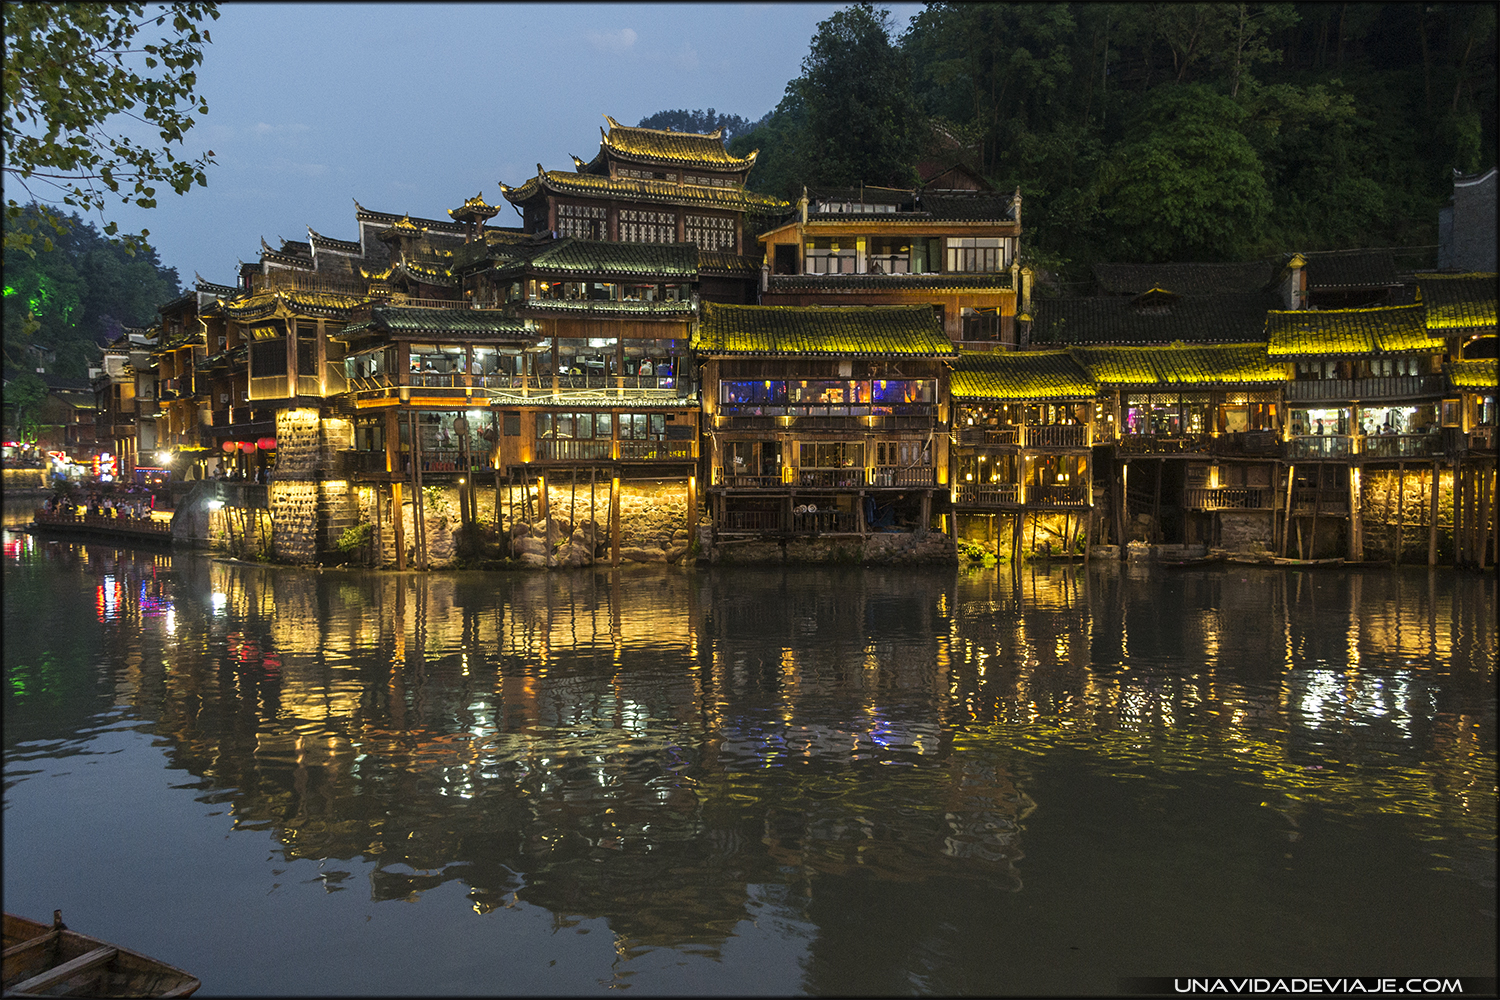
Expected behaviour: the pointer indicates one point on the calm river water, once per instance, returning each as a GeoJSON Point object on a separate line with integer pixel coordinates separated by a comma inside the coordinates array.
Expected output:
{"type": "Point", "coordinates": [750, 780]}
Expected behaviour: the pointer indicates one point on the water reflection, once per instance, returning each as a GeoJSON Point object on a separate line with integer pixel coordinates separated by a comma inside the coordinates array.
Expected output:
{"type": "Point", "coordinates": [669, 750]}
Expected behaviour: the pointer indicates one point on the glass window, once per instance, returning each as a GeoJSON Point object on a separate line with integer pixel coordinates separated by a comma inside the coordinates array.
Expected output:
{"type": "Point", "coordinates": [647, 227]}
{"type": "Point", "coordinates": [585, 222]}
{"type": "Point", "coordinates": [826, 255]}
{"type": "Point", "coordinates": [976, 253]}
{"type": "Point", "coordinates": [710, 232]}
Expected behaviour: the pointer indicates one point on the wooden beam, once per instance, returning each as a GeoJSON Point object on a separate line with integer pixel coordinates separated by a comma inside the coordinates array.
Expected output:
{"type": "Point", "coordinates": [59, 974]}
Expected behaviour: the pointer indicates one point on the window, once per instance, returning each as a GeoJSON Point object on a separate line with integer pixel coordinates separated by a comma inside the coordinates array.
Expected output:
{"type": "Point", "coordinates": [976, 253]}
{"type": "Point", "coordinates": [981, 324]}
{"type": "Point", "coordinates": [268, 358]}
{"type": "Point", "coordinates": [889, 256]}
{"type": "Point", "coordinates": [750, 398]}
{"type": "Point", "coordinates": [512, 423]}
{"type": "Point", "coordinates": [645, 175]}
{"type": "Point", "coordinates": [647, 227]}
{"type": "Point", "coordinates": [643, 426]}
{"type": "Point", "coordinates": [832, 454]}
{"type": "Point", "coordinates": [708, 180]}
{"type": "Point", "coordinates": [831, 256]}
{"type": "Point", "coordinates": [307, 356]}
{"type": "Point", "coordinates": [902, 453]}
{"type": "Point", "coordinates": [584, 222]}
{"type": "Point", "coordinates": [710, 232]}
{"type": "Point", "coordinates": [568, 426]}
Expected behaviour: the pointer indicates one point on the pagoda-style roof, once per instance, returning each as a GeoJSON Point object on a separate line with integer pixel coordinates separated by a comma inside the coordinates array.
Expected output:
{"type": "Point", "coordinates": [586, 185]}
{"type": "Point", "coordinates": [826, 331]}
{"type": "Point", "coordinates": [299, 260]}
{"type": "Point", "coordinates": [1337, 269]}
{"type": "Point", "coordinates": [320, 242]}
{"type": "Point", "coordinates": [1008, 375]}
{"type": "Point", "coordinates": [1458, 301]}
{"type": "Point", "coordinates": [444, 226]}
{"type": "Point", "coordinates": [398, 321]}
{"type": "Point", "coordinates": [679, 309]}
{"type": "Point", "coordinates": [1155, 316]}
{"type": "Point", "coordinates": [472, 209]}
{"type": "Point", "coordinates": [1476, 373]}
{"type": "Point", "coordinates": [662, 146]}
{"type": "Point", "coordinates": [722, 262]}
{"type": "Point", "coordinates": [282, 302]}
{"type": "Point", "coordinates": [1180, 365]}
{"type": "Point", "coordinates": [969, 206]}
{"type": "Point", "coordinates": [1309, 333]}
{"type": "Point", "coordinates": [1186, 278]}
{"type": "Point", "coordinates": [572, 257]}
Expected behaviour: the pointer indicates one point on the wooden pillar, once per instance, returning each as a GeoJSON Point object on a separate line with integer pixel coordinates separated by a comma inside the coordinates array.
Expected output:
{"type": "Point", "coordinates": [1400, 510]}
{"type": "Point", "coordinates": [692, 511]}
{"type": "Point", "coordinates": [614, 521]}
{"type": "Point", "coordinates": [1121, 487]}
{"type": "Point", "coordinates": [1458, 514]}
{"type": "Point", "coordinates": [543, 500]}
{"type": "Point", "coordinates": [926, 513]}
{"type": "Point", "coordinates": [398, 529]}
{"type": "Point", "coordinates": [1155, 507]}
{"type": "Point", "coordinates": [418, 508]}
{"type": "Point", "coordinates": [1356, 517]}
{"type": "Point", "coordinates": [1483, 475]}
{"type": "Point", "coordinates": [1432, 516]}
{"type": "Point", "coordinates": [1286, 530]}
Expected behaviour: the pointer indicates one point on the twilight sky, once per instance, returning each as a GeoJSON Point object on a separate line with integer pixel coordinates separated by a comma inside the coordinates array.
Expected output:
{"type": "Point", "coordinates": [415, 107]}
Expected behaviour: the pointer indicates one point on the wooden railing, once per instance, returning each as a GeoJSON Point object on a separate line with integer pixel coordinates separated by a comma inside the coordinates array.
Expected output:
{"type": "Point", "coordinates": [1009, 435]}
{"type": "Point", "coordinates": [897, 475]}
{"type": "Point", "coordinates": [1400, 445]}
{"type": "Point", "coordinates": [646, 451]}
{"type": "Point", "coordinates": [1057, 495]}
{"type": "Point", "coordinates": [1149, 444]}
{"type": "Point", "coordinates": [830, 478]}
{"type": "Point", "coordinates": [992, 495]}
{"type": "Point", "coordinates": [751, 520]}
{"type": "Point", "coordinates": [1230, 498]}
{"type": "Point", "coordinates": [742, 481]}
{"type": "Point", "coordinates": [1317, 446]}
{"type": "Point", "coordinates": [820, 521]}
{"type": "Point", "coordinates": [575, 450]}
{"type": "Point", "coordinates": [114, 524]}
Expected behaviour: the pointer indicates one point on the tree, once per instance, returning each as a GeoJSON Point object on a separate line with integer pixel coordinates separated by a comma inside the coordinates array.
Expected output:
{"type": "Point", "coordinates": [698, 122]}
{"type": "Point", "coordinates": [1189, 186]}
{"type": "Point", "coordinates": [24, 395]}
{"type": "Point", "coordinates": [863, 123]}
{"type": "Point", "coordinates": [75, 76]}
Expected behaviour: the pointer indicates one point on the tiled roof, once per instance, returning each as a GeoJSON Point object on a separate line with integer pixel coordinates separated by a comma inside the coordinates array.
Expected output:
{"type": "Point", "coordinates": [1319, 333]}
{"type": "Point", "coordinates": [499, 247]}
{"type": "Point", "coordinates": [598, 257]}
{"type": "Point", "coordinates": [973, 207]}
{"type": "Point", "coordinates": [1151, 318]}
{"type": "Point", "coordinates": [1180, 365]}
{"type": "Point", "coordinates": [882, 282]}
{"type": "Point", "coordinates": [317, 239]}
{"type": "Point", "coordinates": [663, 192]}
{"type": "Point", "coordinates": [281, 257]}
{"type": "Point", "coordinates": [607, 307]}
{"type": "Point", "coordinates": [454, 322]}
{"type": "Point", "coordinates": [1458, 301]}
{"type": "Point", "coordinates": [1185, 279]}
{"type": "Point", "coordinates": [363, 214]}
{"type": "Point", "coordinates": [474, 208]}
{"type": "Point", "coordinates": [1019, 375]}
{"type": "Point", "coordinates": [1475, 374]}
{"type": "Point", "coordinates": [1351, 269]}
{"type": "Point", "coordinates": [263, 304]}
{"type": "Point", "coordinates": [688, 149]}
{"type": "Point", "coordinates": [722, 262]}
{"type": "Point", "coordinates": [837, 331]}
{"type": "Point", "coordinates": [427, 272]}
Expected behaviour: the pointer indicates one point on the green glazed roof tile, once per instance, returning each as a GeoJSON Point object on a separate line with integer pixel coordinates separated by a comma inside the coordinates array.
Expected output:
{"type": "Point", "coordinates": [1474, 374]}
{"type": "Point", "coordinates": [1458, 301]}
{"type": "Point", "coordinates": [656, 260]}
{"type": "Point", "coordinates": [838, 331]}
{"type": "Point", "coordinates": [680, 148]}
{"type": "Point", "coordinates": [1307, 333]}
{"type": "Point", "coordinates": [1019, 375]}
{"type": "Point", "coordinates": [1180, 364]}
{"type": "Point", "coordinates": [665, 192]}
{"type": "Point", "coordinates": [456, 322]}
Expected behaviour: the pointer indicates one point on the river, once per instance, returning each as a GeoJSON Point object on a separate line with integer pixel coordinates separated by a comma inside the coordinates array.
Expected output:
{"type": "Point", "coordinates": [750, 781]}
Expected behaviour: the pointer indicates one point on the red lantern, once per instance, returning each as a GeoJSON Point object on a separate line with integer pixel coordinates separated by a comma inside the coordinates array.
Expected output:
{"type": "Point", "coordinates": [230, 446]}
{"type": "Point", "coordinates": [267, 444]}
{"type": "Point", "coordinates": [248, 447]}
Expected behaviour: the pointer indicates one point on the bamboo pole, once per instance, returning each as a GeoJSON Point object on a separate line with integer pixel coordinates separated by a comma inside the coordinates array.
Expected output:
{"type": "Point", "coordinates": [1458, 512]}
{"type": "Point", "coordinates": [1286, 530]}
{"type": "Point", "coordinates": [1484, 514]}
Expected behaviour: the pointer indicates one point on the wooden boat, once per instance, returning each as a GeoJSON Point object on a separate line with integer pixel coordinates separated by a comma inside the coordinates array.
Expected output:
{"type": "Point", "coordinates": [1188, 563]}
{"type": "Point", "coordinates": [54, 961]}
{"type": "Point", "coordinates": [1307, 563]}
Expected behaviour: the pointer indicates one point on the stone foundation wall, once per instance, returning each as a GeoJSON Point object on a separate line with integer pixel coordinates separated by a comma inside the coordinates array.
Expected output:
{"type": "Point", "coordinates": [242, 532]}
{"type": "Point", "coordinates": [294, 516]}
{"type": "Point", "coordinates": [1385, 500]}
{"type": "Point", "coordinates": [882, 549]}
{"type": "Point", "coordinates": [1246, 530]}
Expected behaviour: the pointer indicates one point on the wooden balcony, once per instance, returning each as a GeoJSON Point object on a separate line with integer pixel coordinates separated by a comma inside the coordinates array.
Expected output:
{"type": "Point", "coordinates": [1150, 444]}
{"type": "Point", "coordinates": [903, 476]}
{"type": "Point", "coordinates": [1008, 435]}
{"type": "Point", "coordinates": [1378, 446]}
{"type": "Point", "coordinates": [1318, 447]}
{"type": "Point", "coordinates": [1074, 495]}
{"type": "Point", "coordinates": [1230, 498]}
{"type": "Point", "coordinates": [584, 450]}
{"type": "Point", "coordinates": [828, 478]}
{"type": "Point", "coordinates": [1250, 444]}
{"type": "Point", "coordinates": [991, 495]}
{"type": "Point", "coordinates": [658, 451]}
{"type": "Point", "coordinates": [1364, 389]}
{"type": "Point", "coordinates": [1058, 436]}
{"type": "Point", "coordinates": [741, 481]}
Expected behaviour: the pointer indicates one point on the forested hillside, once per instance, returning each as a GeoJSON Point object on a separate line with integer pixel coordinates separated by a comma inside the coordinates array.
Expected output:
{"type": "Point", "coordinates": [78, 294]}
{"type": "Point", "coordinates": [1155, 131]}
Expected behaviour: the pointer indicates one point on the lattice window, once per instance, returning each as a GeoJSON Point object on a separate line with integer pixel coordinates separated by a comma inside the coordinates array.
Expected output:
{"type": "Point", "coordinates": [584, 222]}
{"type": "Point", "coordinates": [647, 227]}
{"type": "Point", "coordinates": [707, 180]}
{"type": "Point", "coordinates": [710, 232]}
